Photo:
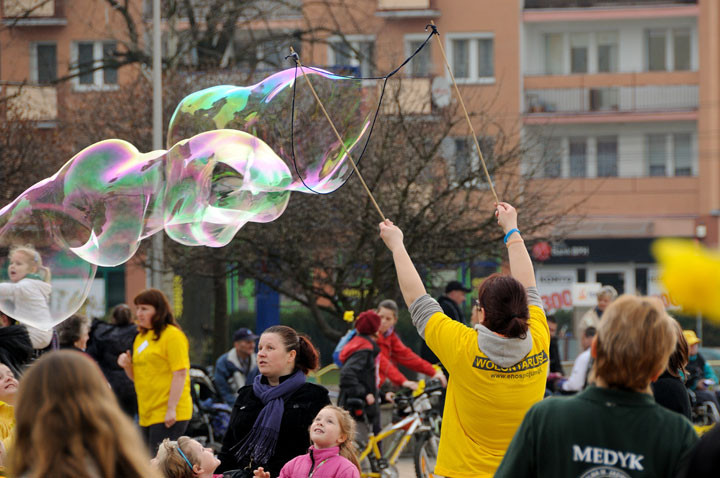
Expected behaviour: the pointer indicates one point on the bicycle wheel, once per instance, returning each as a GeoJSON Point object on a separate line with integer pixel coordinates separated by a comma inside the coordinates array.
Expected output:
{"type": "Point", "coordinates": [426, 450]}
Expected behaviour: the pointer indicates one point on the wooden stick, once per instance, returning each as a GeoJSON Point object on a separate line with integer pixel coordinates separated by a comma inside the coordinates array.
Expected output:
{"type": "Point", "coordinates": [467, 116]}
{"type": "Point", "coordinates": [327, 116]}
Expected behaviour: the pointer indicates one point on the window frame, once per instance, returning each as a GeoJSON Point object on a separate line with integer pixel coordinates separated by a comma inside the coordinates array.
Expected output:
{"type": "Point", "coordinates": [473, 61]}
{"type": "Point", "coordinates": [417, 37]}
{"type": "Point", "coordinates": [98, 83]}
{"type": "Point", "coordinates": [34, 65]}
{"type": "Point", "coordinates": [352, 39]}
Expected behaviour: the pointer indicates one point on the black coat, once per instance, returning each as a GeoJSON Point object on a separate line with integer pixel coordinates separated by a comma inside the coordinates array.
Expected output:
{"type": "Point", "coordinates": [294, 439]}
{"type": "Point", "coordinates": [357, 375]}
{"type": "Point", "coordinates": [670, 392]}
{"type": "Point", "coordinates": [107, 341]}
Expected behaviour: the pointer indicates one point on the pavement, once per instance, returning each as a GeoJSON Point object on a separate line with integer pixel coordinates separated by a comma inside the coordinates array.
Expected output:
{"type": "Point", "coordinates": [406, 468]}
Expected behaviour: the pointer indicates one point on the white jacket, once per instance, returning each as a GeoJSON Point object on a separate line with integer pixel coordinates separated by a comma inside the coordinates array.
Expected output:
{"type": "Point", "coordinates": [28, 301]}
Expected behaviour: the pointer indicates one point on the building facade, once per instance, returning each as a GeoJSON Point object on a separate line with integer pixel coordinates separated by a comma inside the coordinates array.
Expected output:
{"type": "Point", "coordinates": [620, 98]}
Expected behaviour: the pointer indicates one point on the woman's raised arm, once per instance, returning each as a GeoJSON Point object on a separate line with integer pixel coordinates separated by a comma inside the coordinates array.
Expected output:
{"type": "Point", "coordinates": [521, 266]}
{"type": "Point", "coordinates": [411, 285]}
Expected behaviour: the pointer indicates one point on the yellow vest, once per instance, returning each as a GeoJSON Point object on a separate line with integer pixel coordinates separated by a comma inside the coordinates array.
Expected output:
{"type": "Point", "coordinates": [485, 403]}
{"type": "Point", "coordinates": [154, 362]}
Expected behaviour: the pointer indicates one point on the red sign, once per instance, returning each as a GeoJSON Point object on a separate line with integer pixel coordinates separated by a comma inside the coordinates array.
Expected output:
{"type": "Point", "coordinates": [541, 251]}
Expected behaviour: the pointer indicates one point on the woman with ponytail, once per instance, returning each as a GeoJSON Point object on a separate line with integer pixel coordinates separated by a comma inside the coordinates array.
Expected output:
{"type": "Point", "coordinates": [497, 369]}
{"type": "Point", "coordinates": [270, 421]}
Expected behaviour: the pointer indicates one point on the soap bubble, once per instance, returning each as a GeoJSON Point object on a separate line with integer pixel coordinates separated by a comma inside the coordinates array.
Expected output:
{"type": "Point", "coordinates": [310, 148]}
{"type": "Point", "coordinates": [109, 197]}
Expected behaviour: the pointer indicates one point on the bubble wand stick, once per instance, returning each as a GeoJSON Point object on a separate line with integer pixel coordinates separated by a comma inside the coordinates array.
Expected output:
{"type": "Point", "coordinates": [296, 57]}
{"type": "Point", "coordinates": [467, 116]}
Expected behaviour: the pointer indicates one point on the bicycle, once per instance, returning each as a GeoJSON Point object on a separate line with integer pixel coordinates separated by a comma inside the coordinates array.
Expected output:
{"type": "Point", "coordinates": [416, 417]}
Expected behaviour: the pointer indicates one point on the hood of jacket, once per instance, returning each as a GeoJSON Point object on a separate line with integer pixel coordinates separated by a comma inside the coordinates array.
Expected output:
{"type": "Point", "coordinates": [503, 351]}
{"type": "Point", "coordinates": [357, 343]}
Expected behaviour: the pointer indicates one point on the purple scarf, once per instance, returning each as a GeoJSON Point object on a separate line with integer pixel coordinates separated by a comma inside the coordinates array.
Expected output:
{"type": "Point", "coordinates": [260, 443]}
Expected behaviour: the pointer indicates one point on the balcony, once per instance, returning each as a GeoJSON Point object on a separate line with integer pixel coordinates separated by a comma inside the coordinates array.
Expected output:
{"type": "Point", "coordinates": [407, 96]}
{"type": "Point", "coordinates": [538, 11]}
{"type": "Point", "coordinates": [403, 9]}
{"type": "Point", "coordinates": [606, 104]}
{"type": "Point", "coordinates": [529, 4]}
{"type": "Point", "coordinates": [34, 13]}
{"type": "Point", "coordinates": [32, 103]}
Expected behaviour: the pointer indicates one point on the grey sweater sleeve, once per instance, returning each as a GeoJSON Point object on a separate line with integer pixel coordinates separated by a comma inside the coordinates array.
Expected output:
{"type": "Point", "coordinates": [534, 297]}
{"type": "Point", "coordinates": [421, 310]}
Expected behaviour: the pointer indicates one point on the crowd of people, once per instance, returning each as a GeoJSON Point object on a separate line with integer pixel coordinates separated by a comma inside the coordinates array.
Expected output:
{"type": "Point", "coordinates": [116, 400]}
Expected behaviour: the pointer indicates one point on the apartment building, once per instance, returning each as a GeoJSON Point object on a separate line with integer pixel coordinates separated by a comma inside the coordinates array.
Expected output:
{"type": "Point", "coordinates": [42, 41]}
{"type": "Point", "coordinates": [621, 97]}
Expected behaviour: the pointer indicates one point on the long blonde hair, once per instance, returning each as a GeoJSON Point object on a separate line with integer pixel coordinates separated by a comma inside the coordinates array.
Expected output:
{"type": "Point", "coordinates": [69, 424]}
{"type": "Point", "coordinates": [347, 428]}
{"type": "Point", "coordinates": [170, 461]}
{"type": "Point", "coordinates": [34, 257]}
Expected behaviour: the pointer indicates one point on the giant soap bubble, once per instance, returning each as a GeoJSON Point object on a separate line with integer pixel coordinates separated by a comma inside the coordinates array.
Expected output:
{"type": "Point", "coordinates": [107, 198]}
{"type": "Point", "coordinates": [312, 152]}
{"type": "Point", "coordinates": [249, 148]}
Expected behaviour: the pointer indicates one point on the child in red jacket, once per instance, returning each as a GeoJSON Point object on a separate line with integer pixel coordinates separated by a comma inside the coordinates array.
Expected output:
{"type": "Point", "coordinates": [396, 353]}
{"type": "Point", "coordinates": [359, 375]}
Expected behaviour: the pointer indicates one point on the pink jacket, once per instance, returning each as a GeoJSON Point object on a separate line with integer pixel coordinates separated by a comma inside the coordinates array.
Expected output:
{"type": "Point", "coordinates": [324, 462]}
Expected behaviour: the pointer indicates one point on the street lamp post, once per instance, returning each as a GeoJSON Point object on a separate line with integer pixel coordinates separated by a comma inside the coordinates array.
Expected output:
{"type": "Point", "coordinates": [156, 252]}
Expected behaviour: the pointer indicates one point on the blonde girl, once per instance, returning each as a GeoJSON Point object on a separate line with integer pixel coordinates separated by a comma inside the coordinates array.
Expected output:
{"type": "Point", "coordinates": [69, 425]}
{"type": "Point", "coordinates": [27, 295]}
{"type": "Point", "coordinates": [185, 458]}
{"type": "Point", "coordinates": [332, 454]}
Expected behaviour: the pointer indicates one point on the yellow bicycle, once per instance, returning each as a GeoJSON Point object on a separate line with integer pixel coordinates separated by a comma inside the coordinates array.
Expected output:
{"type": "Point", "coordinates": [418, 418]}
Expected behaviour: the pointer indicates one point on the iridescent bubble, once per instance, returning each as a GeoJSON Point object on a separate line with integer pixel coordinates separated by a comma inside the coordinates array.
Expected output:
{"type": "Point", "coordinates": [264, 110]}
{"type": "Point", "coordinates": [109, 197]}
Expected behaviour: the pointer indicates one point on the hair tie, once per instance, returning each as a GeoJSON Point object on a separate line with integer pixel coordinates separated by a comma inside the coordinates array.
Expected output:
{"type": "Point", "coordinates": [183, 455]}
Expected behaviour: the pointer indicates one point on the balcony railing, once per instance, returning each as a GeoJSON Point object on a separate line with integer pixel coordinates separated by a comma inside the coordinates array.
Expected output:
{"type": "Point", "coordinates": [34, 103]}
{"type": "Point", "coordinates": [406, 9]}
{"type": "Point", "coordinates": [600, 3]}
{"type": "Point", "coordinates": [34, 12]}
{"type": "Point", "coordinates": [612, 99]}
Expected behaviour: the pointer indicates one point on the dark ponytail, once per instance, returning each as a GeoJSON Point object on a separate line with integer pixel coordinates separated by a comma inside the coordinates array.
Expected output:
{"type": "Point", "coordinates": [307, 358]}
{"type": "Point", "coordinates": [504, 301]}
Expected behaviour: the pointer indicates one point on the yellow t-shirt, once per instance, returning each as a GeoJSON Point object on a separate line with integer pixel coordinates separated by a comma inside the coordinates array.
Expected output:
{"type": "Point", "coordinates": [7, 424]}
{"type": "Point", "coordinates": [485, 404]}
{"type": "Point", "coordinates": [154, 362]}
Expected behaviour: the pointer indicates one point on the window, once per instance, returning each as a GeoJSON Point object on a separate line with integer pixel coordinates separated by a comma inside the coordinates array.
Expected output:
{"type": "Point", "coordinates": [579, 43]}
{"type": "Point", "coordinates": [607, 155]}
{"type": "Point", "coordinates": [463, 160]}
{"type": "Point", "coordinates": [89, 58]}
{"type": "Point", "coordinates": [656, 154]}
{"type": "Point", "coordinates": [486, 60]}
{"type": "Point", "coordinates": [682, 151]}
{"type": "Point", "coordinates": [554, 53]}
{"type": "Point", "coordinates": [355, 51]}
{"type": "Point", "coordinates": [656, 50]}
{"type": "Point", "coordinates": [552, 161]}
{"type": "Point", "coordinates": [578, 157]}
{"type": "Point", "coordinates": [44, 61]}
{"type": "Point", "coordinates": [607, 52]}
{"type": "Point", "coordinates": [681, 49]}
{"type": "Point", "coordinates": [581, 52]}
{"type": "Point", "coordinates": [421, 64]}
{"type": "Point", "coordinates": [472, 58]}
{"type": "Point", "coordinates": [466, 167]}
{"type": "Point", "coordinates": [461, 59]}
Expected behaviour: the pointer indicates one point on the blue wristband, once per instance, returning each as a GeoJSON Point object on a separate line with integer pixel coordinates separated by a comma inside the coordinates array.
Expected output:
{"type": "Point", "coordinates": [510, 233]}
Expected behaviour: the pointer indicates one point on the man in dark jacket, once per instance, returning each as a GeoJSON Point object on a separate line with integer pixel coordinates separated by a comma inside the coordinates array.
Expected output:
{"type": "Point", "coordinates": [358, 375]}
{"type": "Point", "coordinates": [451, 304]}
